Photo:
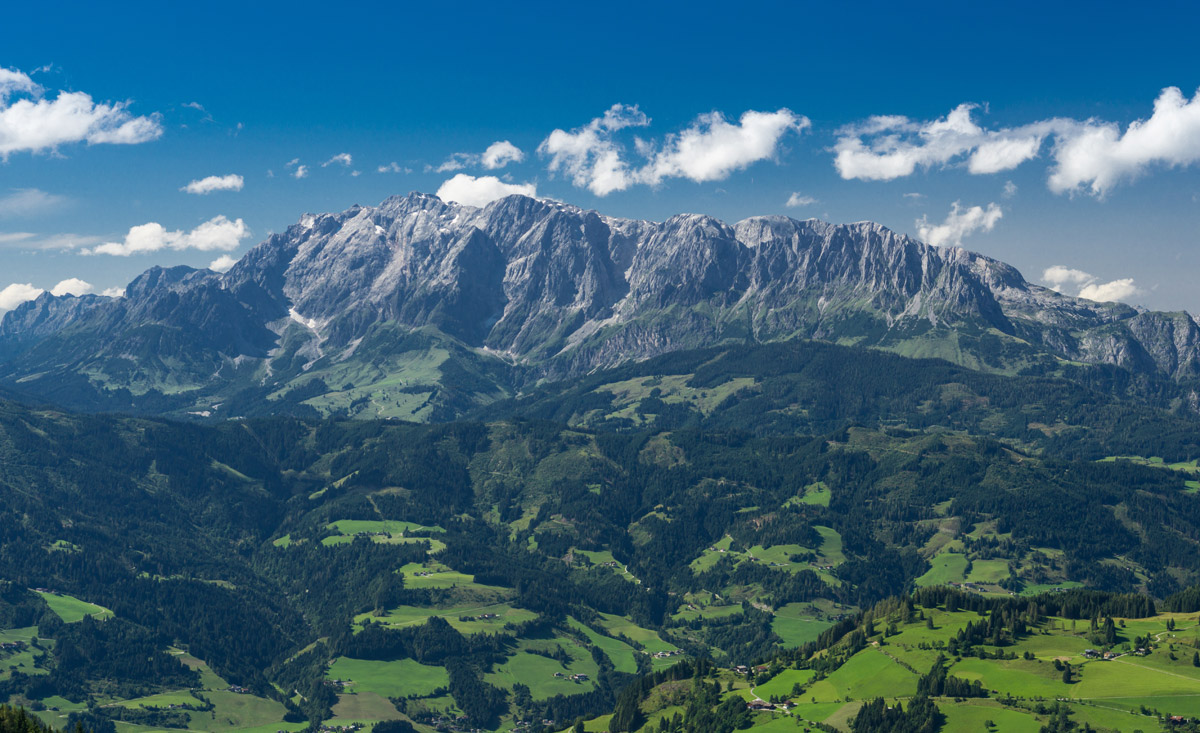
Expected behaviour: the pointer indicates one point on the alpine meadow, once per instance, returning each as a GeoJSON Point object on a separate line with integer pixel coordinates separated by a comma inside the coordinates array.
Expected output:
{"type": "Point", "coordinates": [534, 447]}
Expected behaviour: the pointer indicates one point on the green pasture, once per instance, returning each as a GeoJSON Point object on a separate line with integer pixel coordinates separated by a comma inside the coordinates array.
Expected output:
{"type": "Point", "coordinates": [71, 609]}
{"type": "Point", "coordinates": [400, 678]}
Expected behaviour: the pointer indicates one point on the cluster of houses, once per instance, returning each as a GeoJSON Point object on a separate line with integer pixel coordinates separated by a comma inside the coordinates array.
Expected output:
{"type": "Point", "coordinates": [609, 564]}
{"type": "Point", "coordinates": [574, 678]}
{"type": "Point", "coordinates": [481, 617]}
{"type": "Point", "coordinates": [47, 590]}
{"type": "Point", "coordinates": [424, 573]}
{"type": "Point", "coordinates": [525, 725]}
{"type": "Point", "coordinates": [351, 728]}
{"type": "Point", "coordinates": [446, 722]}
{"type": "Point", "coordinates": [239, 689]}
{"type": "Point", "coordinates": [763, 705]}
{"type": "Point", "coordinates": [668, 654]}
{"type": "Point", "coordinates": [12, 646]}
{"type": "Point", "coordinates": [1108, 656]}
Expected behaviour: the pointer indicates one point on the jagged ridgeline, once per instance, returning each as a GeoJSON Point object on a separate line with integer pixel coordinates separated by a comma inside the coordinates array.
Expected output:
{"type": "Point", "coordinates": [422, 309]}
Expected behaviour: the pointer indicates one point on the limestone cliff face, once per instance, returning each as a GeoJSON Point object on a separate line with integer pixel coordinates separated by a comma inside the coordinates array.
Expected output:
{"type": "Point", "coordinates": [558, 291]}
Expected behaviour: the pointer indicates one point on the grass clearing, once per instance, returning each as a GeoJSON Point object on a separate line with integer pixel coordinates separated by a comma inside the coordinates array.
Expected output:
{"type": "Point", "coordinates": [71, 609]}
{"type": "Point", "coordinates": [796, 624]}
{"type": "Point", "coordinates": [466, 618]}
{"type": "Point", "coordinates": [948, 567]}
{"type": "Point", "coordinates": [400, 678]}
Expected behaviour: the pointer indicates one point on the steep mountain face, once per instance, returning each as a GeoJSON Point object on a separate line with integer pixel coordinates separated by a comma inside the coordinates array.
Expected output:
{"type": "Point", "coordinates": [422, 308]}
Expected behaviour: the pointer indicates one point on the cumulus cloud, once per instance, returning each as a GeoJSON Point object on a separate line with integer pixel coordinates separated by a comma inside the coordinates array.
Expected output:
{"type": "Point", "coordinates": [713, 148]}
{"type": "Point", "coordinates": [888, 147]}
{"type": "Point", "coordinates": [500, 154]}
{"type": "Point", "coordinates": [32, 122]}
{"type": "Point", "coordinates": [16, 294]}
{"type": "Point", "coordinates": [341, 159]}
{"type": "Point", "coordinates": [497, 155]}
{"type": "Point", "coordinates": [1098, 156]}
{"type": "Point", "coordinates": [28, 202]}
{"type": "Point", "coordinates": [113, 292]}
{"type": "Point", "coordinates": [798, 199]}
{"type": "Point", "coordinates": [231, 182]}
{"type": "Point", "coordinates": [1086, 285]}
{"type": "Point", "coordinates": [709, 150]}
{"type": "Point", "coordinates": [959, 224]}
{"type": "Point", "coordinates": [300, 172]}
{"type": "Point", "coordinates": [393, 167]}
{"type": "Point", "coordinates": [222, 264]}
{"type": "Point", "coordinates": [218, 233]}
{"type": "Point", "coordinates": [71, 286]}
{"type": "Point", "coordinates": [1088, 155]}
{"type": "Point", "coordinates": [481, 191]}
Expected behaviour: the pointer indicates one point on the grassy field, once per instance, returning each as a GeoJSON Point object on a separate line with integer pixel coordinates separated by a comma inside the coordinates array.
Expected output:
{"type": "Point", "coordinates": [621, 626]}
{"type": "Point", "coordinates": [948, 567]}
{"type": "Point", "coordinates": [71, 609]}
{"type": "Point", "coordinates": [400, 678]}
{"type": "Point", "coordinates": [599, 558]}
{"type": "Point", "coordinates": [1106, 695]}
{"type": "Point", "coordinates": [403, 616]}
{"type": "Point", "coordinates": [437, 576]}
{"type": "Point", "coordinates": [621, 654]}
{"type": "Point", "coordinates": [796, 623]}
{"type": "Point", "coordinates": [22, 661]}
{"type": "Point", "coordinates": [531, 668]}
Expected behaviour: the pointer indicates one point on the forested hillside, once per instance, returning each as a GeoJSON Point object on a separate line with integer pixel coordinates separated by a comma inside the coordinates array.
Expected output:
{"type": "Point", "coordinates": [718, 507]}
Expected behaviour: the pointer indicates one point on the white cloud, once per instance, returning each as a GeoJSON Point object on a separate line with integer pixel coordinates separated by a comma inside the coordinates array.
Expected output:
{"type": "Point", "coordinates": [15, 237]}
{"type": "Point", "coordinates": [16, 294]}
{"type": "Point", "coordinates": [28, 201]}
{"type": "Point", "coordinates": [1089, 155]}
{"type": "Point", "coordinates": [797, 199]}
{"type": "Point", "coordinates": [341, 159]}
{"type": "Point", "coordinates": [500, 154]}
{"type": "Point", "coordinates": [481, 191]}
{"type": "Point", "coordinates": [231, 182]}
{"type": "Point", "coordinates": [300, 172]}
{"type": "Point", "coordinates": [222, 264]}
{"type": "Point", "coordinates": [1010, 189]}
{"type": "Point", "coordinates": [113, 292]}
{"type": "Point", "coordinates": [1098, 156]}
{"type": "Point", "coordinates": [959, 224]}
{"type": "Point", "coordinates": [455, 162]}
{"type": "Point", "coordinates": [888, 147]}
{"type": "Point", "coordinates": [712, 148]}
{"type": "Point", "coordinates": [589, 155]}
{"type": "Point", "coordinates": [709, 150]}
{"type": "Point", "coordinates": [33, 123]}
{"type": "Point", "coordinates": [218, 233]}
{"type": "Point", "coordinates": [1085, 285]}
{"type": "Point", "coordinates": [497, 155]}
{"type": "Point", "coordinates": [1060, 278]}
{"type": "Point", "coordinates": [71, 286]}
{"type": "Point", "coordinates": [394, 167]}
{"type": "Point", "coordinates": [914, 196]}
{"type": "Point", "coordinates": [1116, 290]}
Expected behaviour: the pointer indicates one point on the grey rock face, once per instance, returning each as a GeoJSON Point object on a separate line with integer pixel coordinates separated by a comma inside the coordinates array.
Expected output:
{"type": "Point", "coordinates": [562, 291]}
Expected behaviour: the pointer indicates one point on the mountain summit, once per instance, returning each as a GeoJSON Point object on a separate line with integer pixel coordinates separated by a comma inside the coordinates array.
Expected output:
{"type": "Point", "coordinates": [420, 308]}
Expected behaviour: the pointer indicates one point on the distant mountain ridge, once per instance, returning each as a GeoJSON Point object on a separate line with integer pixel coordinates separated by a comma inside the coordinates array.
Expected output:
{"type": "Point", "coordinates": [420, 308]}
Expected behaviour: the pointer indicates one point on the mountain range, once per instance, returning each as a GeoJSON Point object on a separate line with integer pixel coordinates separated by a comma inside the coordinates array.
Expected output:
{"type": "Point", "coordinates": [424, 309]}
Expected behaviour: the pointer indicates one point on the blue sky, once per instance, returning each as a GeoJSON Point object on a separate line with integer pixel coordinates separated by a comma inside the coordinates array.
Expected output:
{"type": "Point", "coordinates": [739, 111]}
